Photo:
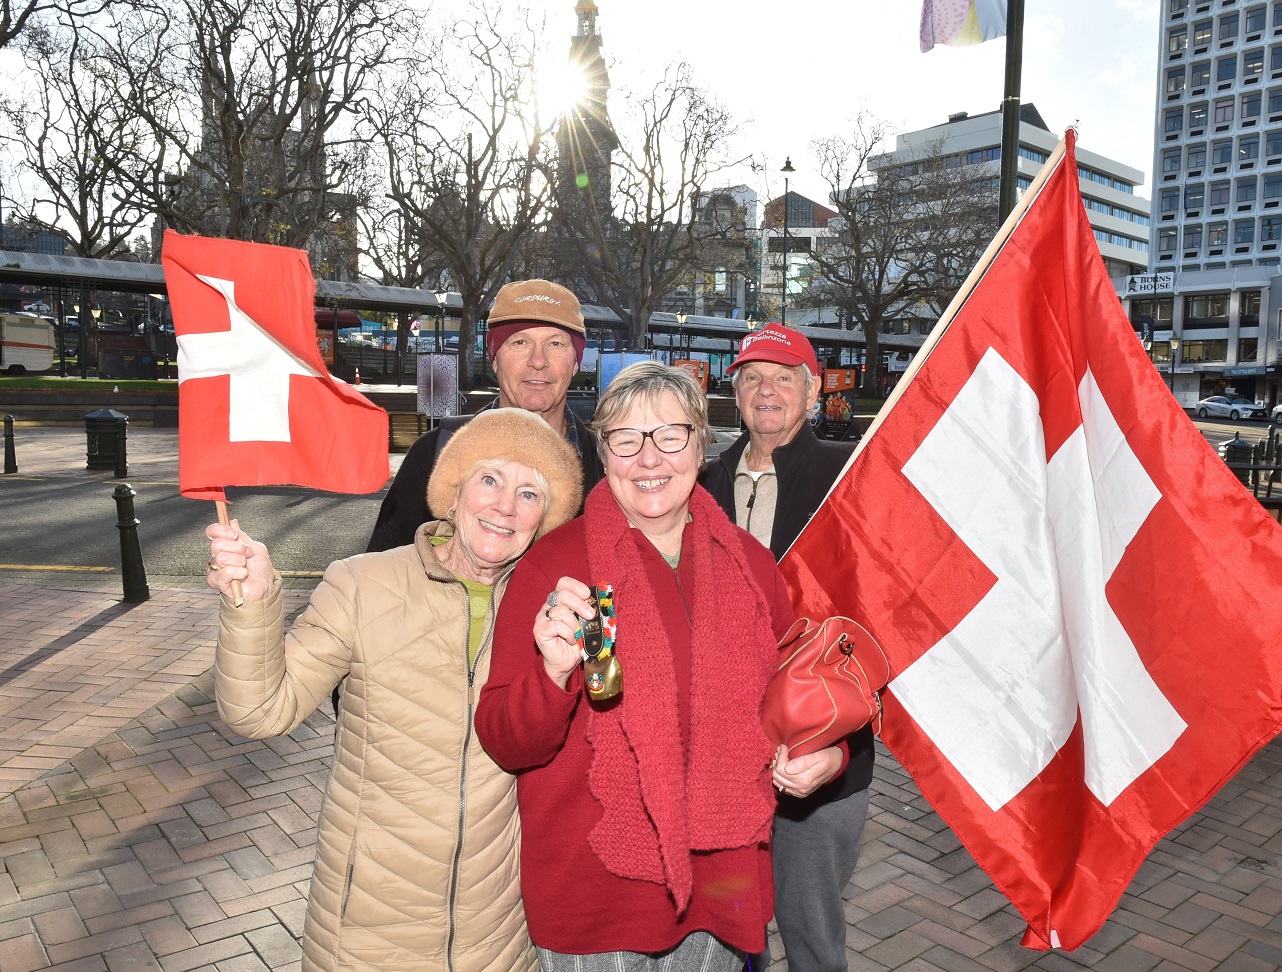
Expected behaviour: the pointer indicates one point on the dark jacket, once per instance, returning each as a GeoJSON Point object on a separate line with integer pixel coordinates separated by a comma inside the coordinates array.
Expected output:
{"type": "Point", "coordinates": [806, 467]}
{"type": "Point", "coordinates": [404, 507]}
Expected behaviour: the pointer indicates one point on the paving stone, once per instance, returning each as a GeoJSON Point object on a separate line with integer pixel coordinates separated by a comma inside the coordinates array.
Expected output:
{"type": "Point", "coordinates": [131, 958]}
{"type": "Point", "coordinates": [891, 921]}
{"type": "Point", "coordinates": [23, 953]}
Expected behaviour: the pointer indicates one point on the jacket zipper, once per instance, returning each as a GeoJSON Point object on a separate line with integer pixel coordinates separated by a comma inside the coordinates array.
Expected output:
{"type": "Point", "coordinates": [752, 498]}
{"type": "Point", "coordinates": [462, 791]}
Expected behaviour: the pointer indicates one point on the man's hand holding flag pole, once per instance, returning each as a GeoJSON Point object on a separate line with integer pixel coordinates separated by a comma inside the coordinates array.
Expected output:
{"type": "Point", "coordinates": [1008, 530]}
{"type": "Point", "coordinates": [256, 404]}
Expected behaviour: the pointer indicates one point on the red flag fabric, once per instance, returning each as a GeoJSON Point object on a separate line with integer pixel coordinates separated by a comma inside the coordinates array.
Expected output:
{"type": "Point", "coordinates": [1074, 590]}
{"type": "Point", "coordinates": [256, 404]}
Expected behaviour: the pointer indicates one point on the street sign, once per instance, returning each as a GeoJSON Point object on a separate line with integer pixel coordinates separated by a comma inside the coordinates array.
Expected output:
{"type": "Point", "coordinates": [1150, 283]}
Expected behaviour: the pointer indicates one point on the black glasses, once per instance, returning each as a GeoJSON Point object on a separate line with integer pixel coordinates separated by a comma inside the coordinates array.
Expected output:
{"type": "Point", "coordinates": [626, 443]}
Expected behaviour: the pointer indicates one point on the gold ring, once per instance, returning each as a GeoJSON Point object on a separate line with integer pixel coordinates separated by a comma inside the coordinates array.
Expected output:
{"type": "Point", "coordinates": [213, 566]}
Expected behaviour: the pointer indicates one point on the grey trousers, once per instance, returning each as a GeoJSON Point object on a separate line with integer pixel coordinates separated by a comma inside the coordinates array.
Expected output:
{"type": "Point", "coordinates": [697, 952]}
{"type": "Point", "coordinates": [814, 859]}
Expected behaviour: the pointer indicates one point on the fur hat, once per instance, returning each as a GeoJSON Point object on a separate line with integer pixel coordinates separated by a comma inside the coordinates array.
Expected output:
{"type": "Point", "coordinates": [509, 435]}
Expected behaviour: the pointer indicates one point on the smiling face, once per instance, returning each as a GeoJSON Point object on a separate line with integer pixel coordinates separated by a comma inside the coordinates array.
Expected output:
{"type": "Point", "coordinates": [773, 400]}
{"type": "Point", "coordinates": [534, 368]}
{"type": "Point", "coordinates": [653, 488]}
{"type": "Point", "coordinates": [496, 515]}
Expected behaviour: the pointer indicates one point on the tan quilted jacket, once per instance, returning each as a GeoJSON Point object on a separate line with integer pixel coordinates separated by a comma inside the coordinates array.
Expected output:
{"type": "Point", "coordinates": [418, 846]}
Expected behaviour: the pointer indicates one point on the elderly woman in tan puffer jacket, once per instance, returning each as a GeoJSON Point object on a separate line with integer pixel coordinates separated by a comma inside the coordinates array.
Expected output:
{"type": "Point", "coordinates": [417, 851]}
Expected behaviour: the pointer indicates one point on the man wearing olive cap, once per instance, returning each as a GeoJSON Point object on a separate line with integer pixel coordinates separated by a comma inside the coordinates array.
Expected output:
{"type": "Point", "coordinates": [535, 343]}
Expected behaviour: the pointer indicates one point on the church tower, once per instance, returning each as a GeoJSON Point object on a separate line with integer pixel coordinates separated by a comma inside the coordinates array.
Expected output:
{"type": "Point", "coordinates": [585, 139]}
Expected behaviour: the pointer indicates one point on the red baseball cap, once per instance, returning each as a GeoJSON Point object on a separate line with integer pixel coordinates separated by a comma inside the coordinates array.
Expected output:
{"type": "Point", "coordinates": [779, 344]}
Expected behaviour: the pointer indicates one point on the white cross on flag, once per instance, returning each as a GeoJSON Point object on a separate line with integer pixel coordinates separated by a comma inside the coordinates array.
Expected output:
{"type": "Point", "coordinates": [256, 404]}
{"type": "Point", "coordinates": [1079, 600]}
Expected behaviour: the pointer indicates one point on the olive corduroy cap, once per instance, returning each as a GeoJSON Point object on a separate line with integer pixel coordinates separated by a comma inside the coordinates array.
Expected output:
{"type": "Point", "coordinates": [510, 435]}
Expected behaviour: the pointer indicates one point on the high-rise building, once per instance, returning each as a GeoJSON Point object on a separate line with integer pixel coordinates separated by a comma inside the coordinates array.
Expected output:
{"type": "Point", "coordinates": [1119, 217]}
{"type": "Point", "coordinates": [1217, 204]}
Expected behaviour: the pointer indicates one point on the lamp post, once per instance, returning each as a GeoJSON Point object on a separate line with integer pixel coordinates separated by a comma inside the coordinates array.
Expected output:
{"type": "Point", "coordinates": [783, 287]}
{"type": "Point", "coordinates": [1175, 347]}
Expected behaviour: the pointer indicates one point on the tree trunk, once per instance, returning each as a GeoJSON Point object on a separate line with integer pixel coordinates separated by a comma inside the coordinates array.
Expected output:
{"type": "Point", "coordinates": [466, 342]}
{"type": "Point", "coordinates": [872, 359]}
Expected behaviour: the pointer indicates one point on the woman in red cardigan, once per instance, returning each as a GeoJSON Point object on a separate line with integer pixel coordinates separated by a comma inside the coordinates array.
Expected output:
{"type": "Point", "coordinates": [646, 817]}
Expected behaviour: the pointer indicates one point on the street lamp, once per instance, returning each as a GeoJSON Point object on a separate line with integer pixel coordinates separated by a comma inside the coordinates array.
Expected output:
{"type": "Point", "coordinates": [783, 288]}
{"type": "Point", "coordinates": [1175, 347]}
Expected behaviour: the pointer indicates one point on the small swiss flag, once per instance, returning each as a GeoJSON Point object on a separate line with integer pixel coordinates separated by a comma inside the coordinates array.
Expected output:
{"type": "Point", "coordinates": [1077, 596]}
{"type": "Point", "coordinates": [256, 404]}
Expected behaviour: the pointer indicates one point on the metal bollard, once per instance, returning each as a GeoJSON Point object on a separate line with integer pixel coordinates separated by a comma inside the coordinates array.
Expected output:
{"type": "Point", "coordinates": [10, 457]}
{"type": "Point", "coordinates": [131, 566]}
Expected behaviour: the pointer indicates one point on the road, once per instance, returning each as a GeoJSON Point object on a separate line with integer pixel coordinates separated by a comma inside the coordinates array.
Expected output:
{"type": "Point", "coordinates": [69, 524]}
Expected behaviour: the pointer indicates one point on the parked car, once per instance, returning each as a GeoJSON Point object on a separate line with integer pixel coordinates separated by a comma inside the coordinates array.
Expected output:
{"type": "Point", "coordinates": [1276, 417]}
{"type": "Point", "coordinates": [1230, 406]}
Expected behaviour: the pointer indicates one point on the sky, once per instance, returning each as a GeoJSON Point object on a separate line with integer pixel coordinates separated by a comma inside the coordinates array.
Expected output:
{"type": "Point", "coordinates": [798, 70]}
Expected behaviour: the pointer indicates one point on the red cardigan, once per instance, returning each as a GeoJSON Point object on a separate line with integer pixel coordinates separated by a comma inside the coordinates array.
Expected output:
{"type": "Point", "coordinates": [530, 726]}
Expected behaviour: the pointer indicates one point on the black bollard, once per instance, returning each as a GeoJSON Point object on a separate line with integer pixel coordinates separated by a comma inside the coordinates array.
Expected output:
{"type": "Point", "coordinates": [122, 462]}
{"type": "Point", "coordinates": [10, 457]}
{"type": "Point", "coordinates": [131, 566]}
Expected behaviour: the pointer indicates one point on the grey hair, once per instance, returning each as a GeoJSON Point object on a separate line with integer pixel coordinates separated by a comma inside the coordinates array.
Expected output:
{"type": "Point", "coordinates": [811, 378]}
{"type": "Point", "coordinates": [648, 381]}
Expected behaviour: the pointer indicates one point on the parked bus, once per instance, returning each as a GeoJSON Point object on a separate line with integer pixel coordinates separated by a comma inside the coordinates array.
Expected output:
{"type": "Point", "coordinates": [26, 343]}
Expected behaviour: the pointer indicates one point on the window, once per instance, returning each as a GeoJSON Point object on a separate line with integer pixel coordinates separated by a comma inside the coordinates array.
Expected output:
{"type": "Point", "coordinates": [1248, 349]}
{"type": "Point", "coordinates": [1177, 41]}
{"type": "Point", "coordinates": [1252, 64]}
{"type": "Point", "coordinates": [1275, 100]}
{"type": "Point", "coordinates": [1171, 160]}
{"type": "Point", "coordinates": [1225, 69]}
{"type": "Point", "coordinates": [1271, 229]}
{"type": "Point", "coordinates": [1194, 196]}
{"type": "Point", "coordinates": [1224, 111]}
{"type": "Point", "coordinates": [1248, 148]}
{"type": "Point", "coordinates": [1204, 350]}
{"type": "Point", "coordinates": [1243, 231]}
{"type": "Point", "coordinates": [1200, 74]}
{"type": "Point", "coordinates": [1201, 34]}
{"type": "Point", "coordinates": [1251, 105]}
{"type": "Point", "coordinates": [1228, 26]}
{"type": "Point", "coordinates": [1174, 120]}
{"type": "Point", "coordinates": [1170, 200]}
{"type": "Point", "coordinates": [983, 155]}
{"type": "Point", "coordinates": [1255, 20]}
{"type": "Point", "coordinates": [1273, 143]}
{"type": "Point", "coordinates": [1245, 191]}
{"type": "Point", "coordinates": [1179, 6]}
{"type": "Point", "coordinates": [1217, 234]}
{"type": "Point", "coordinates": [1219, 193]}
{"type": "Point", "coordinates": [1207, 307]}
{"type": "Point", "coordinates": [1166, 240]}
{"type": "Point", "coordinates": [1175, 81]}
{"type": "Point", "coordinates": [1192, 237]}
{"type": "Point", "coordinates": [1273, 186]}
{"type": "Point", "coordinates": [1197, 115]}
{"type": "Point", "coordinates": [1222, 152]}
{"type": "Point", "coordinates": [1197, 156]}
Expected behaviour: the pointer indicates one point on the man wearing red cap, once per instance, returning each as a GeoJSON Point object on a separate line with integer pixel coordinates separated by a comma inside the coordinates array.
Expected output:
{"type": "Point", "coordinates": [535, 343]}
{"type": "Point", "coordinates": [770, 482]}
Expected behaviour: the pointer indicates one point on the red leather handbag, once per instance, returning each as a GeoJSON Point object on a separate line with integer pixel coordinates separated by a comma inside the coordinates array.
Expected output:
{"type": "Point", "coordinates": [826, 685]}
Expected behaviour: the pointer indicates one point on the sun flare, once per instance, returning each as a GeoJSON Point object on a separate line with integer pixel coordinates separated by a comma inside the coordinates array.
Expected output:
{"type": "Point", "coordinates": [562, 87]}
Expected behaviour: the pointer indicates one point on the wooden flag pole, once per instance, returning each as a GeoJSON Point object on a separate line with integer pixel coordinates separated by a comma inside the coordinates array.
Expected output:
{"type": "Point", "coordinates": [237, 594]}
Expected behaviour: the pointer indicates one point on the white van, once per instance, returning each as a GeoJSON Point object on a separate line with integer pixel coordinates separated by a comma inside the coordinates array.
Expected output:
{"type": "Point", "coordinates": [26, 343]}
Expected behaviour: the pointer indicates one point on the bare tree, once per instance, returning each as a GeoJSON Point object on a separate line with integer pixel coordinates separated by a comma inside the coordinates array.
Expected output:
{"type": "Point", "coordinates": [908, 232]}
{"type": "Point", "coordinates": [462, 141]}
{"type": "Point", "coordinates": [65, 133]}
{"type": "Point", "coordinates": [17, 16]}
{"type": "Point", "coordinates": [636, 249]}
{"type": "Point", "coordinates": [255, 110]}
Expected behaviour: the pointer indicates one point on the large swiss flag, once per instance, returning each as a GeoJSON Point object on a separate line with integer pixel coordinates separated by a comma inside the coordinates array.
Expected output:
{"type": "Point", "coordinates": [256, 404]}
{"type": "Point", "coordinates": [1077, 596]}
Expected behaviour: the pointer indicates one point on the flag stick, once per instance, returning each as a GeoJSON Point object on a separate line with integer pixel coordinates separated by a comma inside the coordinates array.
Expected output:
{"type": "Point", "coordinates": [959, 299]}
{"type": "Point", "coordinates": [238, 596]}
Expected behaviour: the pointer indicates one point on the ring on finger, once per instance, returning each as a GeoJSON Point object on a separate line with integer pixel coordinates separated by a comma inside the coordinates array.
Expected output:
{"type": "Point", "coordinates": [547, 613]}
{"type": "Point", "coordinates": [213, 566]}
{"type": "Point", "coordinates": [552, 599]}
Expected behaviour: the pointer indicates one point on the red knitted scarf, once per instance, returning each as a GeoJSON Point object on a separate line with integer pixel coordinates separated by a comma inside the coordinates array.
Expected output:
{"type": "Point", "coordinates": [660, 804]}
